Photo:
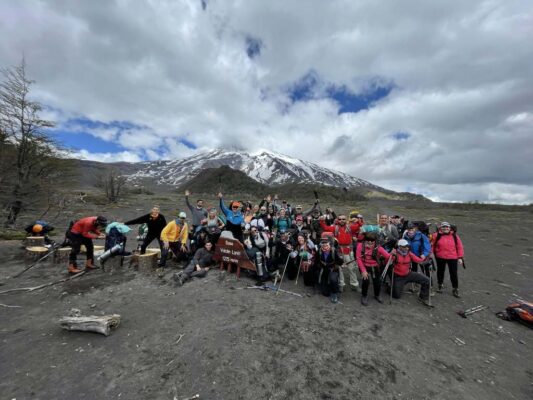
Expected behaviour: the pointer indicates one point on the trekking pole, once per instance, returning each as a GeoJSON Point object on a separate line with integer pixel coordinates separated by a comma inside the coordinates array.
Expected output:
{"type": "Point", "coordinates": [429, 297]}
{"type": "Point", "coordinates": [38, 261]}
{"type": "Point", "coordinates": [298, 274]}
{"type": "Point", "coordinates": [391, 285]}
{"type": "Point", "coordinates": [283, 275]}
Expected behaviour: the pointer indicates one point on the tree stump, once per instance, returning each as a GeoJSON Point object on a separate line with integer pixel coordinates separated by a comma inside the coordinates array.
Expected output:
{"type": "Point", "coordinates": [36, 252]}
{"type": "Point", "coordinates": [146, 263]}
{"type": "Point", "coordinates": [97, 248]}
{"type": "Point", "coordinates": [116, 263]}
{"type": "Point", "coordinates": [34, 241]}
{"type": "Point", "coordinates": [154, 250]}
{"type": "Point", "coordinates": [61, 255]}
{"type": "Point", "coordinates": [91, 323]}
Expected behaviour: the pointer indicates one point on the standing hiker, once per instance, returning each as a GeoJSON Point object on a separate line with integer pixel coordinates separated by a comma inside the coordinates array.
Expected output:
{"type": "Point", "coordinates": [388, 235]}
{"type": "Point", "coordinates": [448, 250]}
{"type": "Point", "coordinates": [368, 253]}
{"type": "Point", "coordinates": [301, 261]}
{"type": "Point", "coordinates": [198, 213]}
{"type": "Point", "coordinates": [82, 232]}
{"type": "Point", "coordinates": [327, 264]}
{"type": "Point", "coordinates": [155, 221]}
{"type": "Point", "coordinates": [342, 233]}
{"type": "Point", "coordinates": [420, 246]}
{"type": "Point", "coordinates": [234, 218]}
{"type": "Point", "coordinates": [401, 261]}
{"type": "Point", "coordinates": [174, 237]}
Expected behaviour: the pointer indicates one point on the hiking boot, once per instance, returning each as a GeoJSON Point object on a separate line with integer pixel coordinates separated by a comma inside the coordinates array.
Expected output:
{"type": "Point", "coordinates": [89, 265]}
{"type": "Point", "coordinates": [378, 299]}
{"type": "Point", "coordinates": [178, 279]}
{"type": "Point", "coordinates": [364, 300]}
{"type": "Point", "coordinates": [455, 293]}
{"type": "Point", "coordinates": [73, 269]}
{"type": "Point", "coordinates": [425, 302]}
{"type": "Point", "coordinates": [334, 298]}
{"type": "Point", "coordinates": [440, 288]}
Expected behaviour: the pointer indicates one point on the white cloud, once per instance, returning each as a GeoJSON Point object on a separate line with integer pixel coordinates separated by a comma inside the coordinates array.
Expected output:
{"type": "Point", "coordinates": [461, 72]}
{"type": "Point", "coordinates": [125, 156]}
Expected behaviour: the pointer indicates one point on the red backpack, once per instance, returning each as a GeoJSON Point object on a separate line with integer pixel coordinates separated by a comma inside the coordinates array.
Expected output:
{"type": "Point", "coordinates": [521, 311]}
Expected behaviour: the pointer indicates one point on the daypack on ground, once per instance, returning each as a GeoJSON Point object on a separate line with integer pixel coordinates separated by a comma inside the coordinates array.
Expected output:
{"type": "Point", "coordinates": [521, 311]}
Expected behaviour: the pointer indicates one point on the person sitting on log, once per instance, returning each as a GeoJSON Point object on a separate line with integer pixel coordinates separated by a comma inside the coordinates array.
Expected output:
{"type": "Point", "coordinates": [115, 241]}
{"type": "Point", "coordinates": [199, 265]}
{"type": "Point", "coordinates": [155, 222]}
{"type": "Point", "coordinates": [40, 228]}
{"type": "Point", "coordinates": [83, 232]}
{"type": "Point", "coordinates": [174, 237]}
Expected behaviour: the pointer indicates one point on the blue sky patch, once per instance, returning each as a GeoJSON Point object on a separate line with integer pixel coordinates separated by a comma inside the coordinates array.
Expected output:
{"type": "Point", "coordinates": [310, 86]}
{"type": "Point", "coordinates": [85, 141]}
{"type": "Point", "coordinates": [253, 47]}
{"type": "Point", "coordinates": [188, 144]}
{"type": "Point", "coordinates": [401, 136]}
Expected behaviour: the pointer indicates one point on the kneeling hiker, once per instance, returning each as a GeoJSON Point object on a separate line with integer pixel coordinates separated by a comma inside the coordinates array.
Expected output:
{"type": "Point", "coordinates": [368, 252]}
{"type": "Point", "coordinates": [401, 265]}
{"type": "Point", "coordinates": [328, 262]}
{"type": "Point", "coordinates": [199, 265]}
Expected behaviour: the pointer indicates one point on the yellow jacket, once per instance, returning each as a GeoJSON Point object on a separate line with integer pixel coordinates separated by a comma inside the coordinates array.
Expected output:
{"type": "Point", "coordinates": [174, 232]}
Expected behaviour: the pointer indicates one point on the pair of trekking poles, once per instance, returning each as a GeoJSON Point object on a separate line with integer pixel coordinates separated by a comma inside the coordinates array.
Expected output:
{"type": "Point", "coordinates": [285, 269]}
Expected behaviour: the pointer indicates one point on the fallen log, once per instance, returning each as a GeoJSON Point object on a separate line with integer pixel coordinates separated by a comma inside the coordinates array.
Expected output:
{"type": "Point", "coordinates": [92, 323]}
{"type": "Point", "coordinates": [31, 289]}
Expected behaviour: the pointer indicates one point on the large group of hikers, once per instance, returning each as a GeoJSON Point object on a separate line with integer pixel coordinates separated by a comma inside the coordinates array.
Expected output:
{"type": "Point", "coordinates": [330, 252]}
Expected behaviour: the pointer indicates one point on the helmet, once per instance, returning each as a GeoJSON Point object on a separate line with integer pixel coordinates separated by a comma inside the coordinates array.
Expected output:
{"type": "Point", "coordinates": [182, 215]}
{"type": "Point", "coordinates": [37, 228]}
{"type": "Point", "coordinates": [102, 221]}
{"type": "Point", "coordinates": [403, 243]}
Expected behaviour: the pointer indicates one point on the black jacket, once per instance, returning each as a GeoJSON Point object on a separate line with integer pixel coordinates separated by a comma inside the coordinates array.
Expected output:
{"type": "Point", "coordinates": [155, 226]}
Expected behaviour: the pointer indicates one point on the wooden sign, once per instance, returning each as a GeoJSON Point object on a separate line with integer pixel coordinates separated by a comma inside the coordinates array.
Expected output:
{"type": "Point", "coordinates": [231, 251]}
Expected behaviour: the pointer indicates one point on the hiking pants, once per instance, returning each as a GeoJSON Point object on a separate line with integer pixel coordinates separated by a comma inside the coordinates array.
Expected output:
{"type": "Point", "coordinates": [75, 242]}
{"type": "Point", "coordinates": [351, 266]}
{"type": "Point", "coordinates": [414, 277]}
{"type": "Point", "coordinates": [175, 247]}
{"type": "Point", "coordinates": [375, 277]}
{"type": "Point", "coordinates": [149, 239]}
{"type": "Point", "coordinates": [190, 272]}
{"type": "Point", "coordinates": [441, 269]}
{"type": "Point", "coordinates": [236, 230]}
{"type": "Point", "coordinates": [425, 268]}
{"type": "Point", "coordinates": [329, 281]}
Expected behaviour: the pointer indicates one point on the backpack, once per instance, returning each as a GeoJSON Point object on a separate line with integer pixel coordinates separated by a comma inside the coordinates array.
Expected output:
{"type": "Point", "coordinates": [521, 311]}
{"type": "Point", "coordinates": [346, 229]}
{"type": "Point", "coordinates": [374, 251]}
{"type": "Point", "coordinates": [113, 238]}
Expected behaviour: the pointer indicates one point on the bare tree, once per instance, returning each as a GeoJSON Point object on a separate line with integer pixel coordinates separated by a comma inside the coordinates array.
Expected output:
{"type": "Point", "coordinates": [28, 153]}
{"type": "Point", "coordinates": [113, 185]}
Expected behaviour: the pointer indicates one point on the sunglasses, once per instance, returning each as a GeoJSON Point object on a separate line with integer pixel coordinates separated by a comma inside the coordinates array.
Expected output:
{"type": "Point", "coordinates": [342, 219]}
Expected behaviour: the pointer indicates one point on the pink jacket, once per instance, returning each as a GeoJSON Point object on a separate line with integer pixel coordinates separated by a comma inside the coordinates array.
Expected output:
{"type": "Point", "coordinates": [445, 248]}
{"type": "Point", "coordinates": [365, 259]}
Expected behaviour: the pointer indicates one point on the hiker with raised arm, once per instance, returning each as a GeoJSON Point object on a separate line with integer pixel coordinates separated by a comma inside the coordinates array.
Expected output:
{"type": "Point", "coordinates": [342, 233]}
{"type": "Point", "coordinates": [155, 221]}
{"type": "Point", "coordinates": [234, 218]}
{"type": "Point", "coordinates": [198, 213]}
{"type": "Point", "coordinates": [448, 250]}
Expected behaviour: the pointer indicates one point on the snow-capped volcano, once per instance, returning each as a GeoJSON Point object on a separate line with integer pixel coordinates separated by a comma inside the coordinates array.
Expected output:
{"type": "Point", "coordinates": [263, 166]}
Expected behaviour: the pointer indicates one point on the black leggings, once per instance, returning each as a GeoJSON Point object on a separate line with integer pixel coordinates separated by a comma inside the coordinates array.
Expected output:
{"type": "Point", "coordinates": [452, 266]}
{"type": "Point", "coordinates": [149, 239]}
{"type": "Point", "coordinates": [375, 276]}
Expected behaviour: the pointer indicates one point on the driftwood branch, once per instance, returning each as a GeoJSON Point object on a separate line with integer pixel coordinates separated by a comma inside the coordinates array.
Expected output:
{"type": "Point", "coordinates": [92, 323]}
{"type": "Point", "coordinates": [8, 306]}
{"type": "Point", "coordinates": [31, 289]}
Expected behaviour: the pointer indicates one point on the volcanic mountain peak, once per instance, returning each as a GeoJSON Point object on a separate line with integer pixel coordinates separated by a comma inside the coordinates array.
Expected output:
{"type": "Point", "coordinates": [264, 166]}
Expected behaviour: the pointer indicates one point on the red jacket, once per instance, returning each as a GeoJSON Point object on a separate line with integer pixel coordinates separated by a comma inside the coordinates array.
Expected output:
{"type": "Point", "coordinates": [365, 259]}
{"type": "Point", "coordinates": [402, 264]}
{"type": "Point", "coordinates": [355, 228]}
{"type": "Point", "coordinates": [86, 228]}
{"type": "Point", "coordinates": [445, 247]}
{"type": "Point", "coordinates": [343, 236]}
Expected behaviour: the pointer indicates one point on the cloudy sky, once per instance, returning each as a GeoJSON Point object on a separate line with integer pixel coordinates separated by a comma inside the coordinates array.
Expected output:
{"type": "Point", "coordinates": [434, 97]}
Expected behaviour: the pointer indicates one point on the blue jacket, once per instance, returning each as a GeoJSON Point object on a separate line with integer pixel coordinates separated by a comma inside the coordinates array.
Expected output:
{"type": "Point", "coordinates": [235, 217]}
{"type": "Point", "coordinates": [420, 245]}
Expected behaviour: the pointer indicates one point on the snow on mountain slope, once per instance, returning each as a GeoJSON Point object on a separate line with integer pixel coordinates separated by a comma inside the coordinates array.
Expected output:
{"type": "Point", "coordinates": [263, 166]}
